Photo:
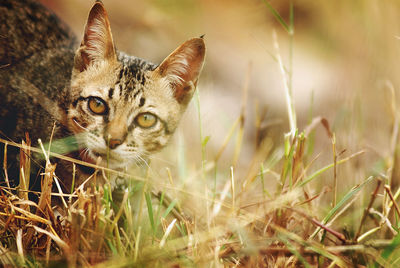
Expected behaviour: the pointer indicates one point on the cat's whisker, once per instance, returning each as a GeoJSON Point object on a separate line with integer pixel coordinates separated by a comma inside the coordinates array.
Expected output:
{"type": "Point", "coordinates": [79, 125]}
{"type": "Point", "coordinates": [143, 160]}
{"type": "Point", "coordinates": [84, 153]}
{"type": "Point", "coordinates": [137, 162]}
{"type": "Point", "coordinates": [81, 153]}
{"type": "Point", "coordinates": [148, 155]}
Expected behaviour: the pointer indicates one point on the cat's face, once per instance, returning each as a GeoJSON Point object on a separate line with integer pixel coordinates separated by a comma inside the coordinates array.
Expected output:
{"type": "Point", "coordinates": [124, 108]}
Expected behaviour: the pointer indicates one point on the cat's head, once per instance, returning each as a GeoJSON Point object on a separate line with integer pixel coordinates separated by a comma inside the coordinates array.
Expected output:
{"type": "Point", "coordinates": [124, 108]}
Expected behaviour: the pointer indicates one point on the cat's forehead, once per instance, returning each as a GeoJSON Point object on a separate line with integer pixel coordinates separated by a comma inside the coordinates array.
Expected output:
{"type": "Point", "coordinates": [133, 68]}
{"type": "Point", "coordinates": [132, 77]}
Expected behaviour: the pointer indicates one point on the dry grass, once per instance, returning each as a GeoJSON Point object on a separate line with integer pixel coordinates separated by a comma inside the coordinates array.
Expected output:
{"type": "Point", "coordinates": [284, 228]}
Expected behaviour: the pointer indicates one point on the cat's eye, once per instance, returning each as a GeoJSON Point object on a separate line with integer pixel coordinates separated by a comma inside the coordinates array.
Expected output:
{"type": "Point", "coordinates": [146, 120]}
{"type": "Point", "coordinates": [97, 105]}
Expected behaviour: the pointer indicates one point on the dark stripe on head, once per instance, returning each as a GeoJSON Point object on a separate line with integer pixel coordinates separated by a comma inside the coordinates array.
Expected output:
{"type": "Point", "coordinates": [106, 118]}
{"type": "Point", "coordinates": [120, 73]}
{"type": "Point", "coordinates": [75, 102]}
{"type": "Point", "coordinates": [140, 77]}
{"type": "Point", "coordinates": [110, 93]}
{"type": "Point", "coordinates": [167, 131]}
{"type": "Point", "coordinates": [128, 89]}
{"type": "Point", "coordinates": [132, 126]}
{"type": "Point", "coordinates": [128, 93]}
{"type": "Point", "coordinates": [142, 101]}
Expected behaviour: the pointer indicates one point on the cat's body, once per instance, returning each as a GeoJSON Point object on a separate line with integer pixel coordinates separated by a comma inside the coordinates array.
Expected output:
{"type": "Point", "coordinates": [118, 109]}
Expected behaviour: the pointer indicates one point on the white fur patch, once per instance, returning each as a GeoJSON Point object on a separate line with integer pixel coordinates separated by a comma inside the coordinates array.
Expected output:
{"type": "Point", "coordinates": [180, 66]}
{"type": "Point", "coordinates": [165, 85]}
{"type": "Point", "coordinates": [97, 39]}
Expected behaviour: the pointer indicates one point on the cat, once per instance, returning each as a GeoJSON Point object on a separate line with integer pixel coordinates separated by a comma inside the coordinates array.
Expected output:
{"type": "Point", "coordinates": [118, 109]}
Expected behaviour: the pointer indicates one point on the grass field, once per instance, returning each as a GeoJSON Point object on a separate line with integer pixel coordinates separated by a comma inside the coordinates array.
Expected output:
{"type": "Point", "coordinates": [288, 155]}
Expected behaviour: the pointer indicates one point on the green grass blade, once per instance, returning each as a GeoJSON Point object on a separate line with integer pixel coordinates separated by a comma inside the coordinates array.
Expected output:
{"type": "Point", "coordinates": [294, 251]}
{"type": "Point", "coordinates": [311, 135]}
{"type": "Point", "coordinates": [391, 248]}
{"type": "Point", "coordinates": [317, 248]}
{"type": "Point", "coordinates": [62, 146]}
{"type": "Point", "coordinates": [118, 241]}
{"type": "Point", "coordinates": [150, 211]}
{"type": "Point", "coordinates": [289, 152]}
{"type": "Point", "coordinates": [264, 191]}
{"type": "Point", "coordinates": [322, 170]}
{"type": "Point", "coordinates": [169, 208]}
{"type": "Point", "coordinates": [202, 140]}
{"type": "Point", "coordinates": [181, 228]}
{"type": "Point", "coordinates": [277, 16]}
{"type": "Point", "coordinates": [160, 204]}
{"type": "Point", "coordinates": [112, 247]}
{"type": "Point", "coordinates": [342, 202]}
{"type": "Point", "coordinates": [291, 17]}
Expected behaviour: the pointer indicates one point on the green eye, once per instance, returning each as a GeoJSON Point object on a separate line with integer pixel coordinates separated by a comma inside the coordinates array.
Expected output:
{"type": "Point", "coordinates": [97, 105]}
{"type": "Point", "coordinates": [146, 120]}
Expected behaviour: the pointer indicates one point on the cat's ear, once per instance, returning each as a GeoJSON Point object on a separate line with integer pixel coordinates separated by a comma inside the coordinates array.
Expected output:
{"type": "Point", "coordinates": [97, 44]}
{"type": "Point", "coordinates": [182, 68]}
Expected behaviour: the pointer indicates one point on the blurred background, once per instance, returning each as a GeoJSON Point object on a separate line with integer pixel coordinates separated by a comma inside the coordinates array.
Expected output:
{"type": "Point", "coordinates": [345, 69]}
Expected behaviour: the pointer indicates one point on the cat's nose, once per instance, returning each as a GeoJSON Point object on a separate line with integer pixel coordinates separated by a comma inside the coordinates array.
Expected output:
{"type": "Point", "coordinates": [116, 132]}
{"type": "Point", "coordinates": [113, 143]}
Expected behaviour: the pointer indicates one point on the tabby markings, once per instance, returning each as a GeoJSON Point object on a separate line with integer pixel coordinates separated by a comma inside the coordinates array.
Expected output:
{"type": "Point", "coordinates": [110, 93]}
{"type": "Point", "coordinates": [142, 101]}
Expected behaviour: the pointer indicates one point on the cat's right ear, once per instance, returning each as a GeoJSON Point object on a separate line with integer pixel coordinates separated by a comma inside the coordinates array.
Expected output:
{"type": "Point", "coordinates": [182, 68]}
{"type": "Point", "coordinates": [97, 44]}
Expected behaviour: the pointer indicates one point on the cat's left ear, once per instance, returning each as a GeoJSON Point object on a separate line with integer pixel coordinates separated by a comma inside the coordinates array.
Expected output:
{"type": "Point", "coordinates": [182, 68]}
{"type": "Point", "coordinates": [97, 44]}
